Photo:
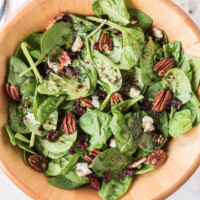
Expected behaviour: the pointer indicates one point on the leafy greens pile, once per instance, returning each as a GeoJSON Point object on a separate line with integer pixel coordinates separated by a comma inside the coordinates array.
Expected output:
{"type": "Point", "coordinates": [53, 81]}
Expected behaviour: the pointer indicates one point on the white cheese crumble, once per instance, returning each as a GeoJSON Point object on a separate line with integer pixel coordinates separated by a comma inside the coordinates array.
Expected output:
{"type": "Point", "coordinates": [82, 169]}
{"type": "Point", "coordinates": [147, 124]}
{"type": "Point", "coordinates": [95, 101]}
{"type": "Point", "coordinates": [77, 45]}
{"type": "Point", "coordinates": [134, 93]}
{"type": "Point", "coordinates": [30, 117]}
{"type": "Point", "coordinates": [54, 66]}
{"type": "Point", "coordinates": [113, 142]}
{"type": "Point", "coordinates": [157, 33]}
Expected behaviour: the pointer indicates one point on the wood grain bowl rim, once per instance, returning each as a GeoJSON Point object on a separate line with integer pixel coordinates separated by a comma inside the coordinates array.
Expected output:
{"type": "Point", "coordinates": [23, 186]}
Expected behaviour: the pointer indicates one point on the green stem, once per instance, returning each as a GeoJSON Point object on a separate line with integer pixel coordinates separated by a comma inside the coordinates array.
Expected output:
{"type": "Point", "coordinates": [30, 60]}
{"type": "Point", "coordinates": [30, 68]}
{"type": "Point", "coordinates": [89, 57]}
{"type": "Point", "coordinates": [171, 113]}
{"type": "Point", "coordinates": [104, 104]}
{"type": "Point", "coordinates": [32, 142]}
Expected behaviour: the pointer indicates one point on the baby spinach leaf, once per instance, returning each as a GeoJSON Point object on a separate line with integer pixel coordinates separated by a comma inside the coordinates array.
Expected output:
{"type": "Point", "coordinates": [22, 138]}
{"type": "Point", "coordinates": [37, 54]}
{"type": "Point", "coordinates": [50, 124]}
{"type": "Point", "coordinates": [61, 165]}
{"type": "Point", "coordinates": [122, 134]}
{"type": "Point", "coordinates": [114, 189]}
{"type": "Point", "coordinates": [17, 67]}
{"type": "Point", "coordinates": [16, 118]}
{"type": "Point", "coordinates": [180, 123]}
{"type": "Point", "coordinates": [146, 168]}
{"type": "Point", "coordinates": [194, 65]}
{"type": "Point", "coordinates": [68, 181]}
{"type": "Point", "coordinates": [147, 63]}
{"type": "Point", "coordinates": [48, 106]}
{"type": "Point", "coordinates": [112, 160]}
{"type": "Point", "coordinates": [56, 85]}
{"type": "Point", "coordinates": [11, 135]}
{"type": "Point", "coordinates": [146, 142]}
{"type": "Point", "coordinates": [61, 145]}
{"type": "Point", "coordinates": [68, 105]}
{"type": "Point", "coordinates": [144, 21]}
{"type": "Point", "coordinates": [28, 87]}
{"type": "Point", "coordinates": [59, 34]}
{"type": "Point", "coordinates": [96, 124]}
{"type": "Point", "coordinates": [26, 156]}
{"type": "Point", "coordinates": [173, 49]}
{"type": "Point", "coordinates": [178, 82]}
{"type": "Point", "coordinates": [115, 9]}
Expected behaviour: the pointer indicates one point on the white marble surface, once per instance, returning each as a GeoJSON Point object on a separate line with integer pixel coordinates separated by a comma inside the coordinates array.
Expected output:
{"type": "Point", "coordinates": [189, 191]}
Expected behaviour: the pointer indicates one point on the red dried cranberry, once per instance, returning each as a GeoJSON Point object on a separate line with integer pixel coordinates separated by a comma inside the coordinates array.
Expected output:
{"type": "Point", "coordinates": [104, 17]}
{"type": "Point", "coordinates": [72, 54]}
{"type": "Point", "coordinates": [94, 181]}
{"type": "Point", "coordinates": [51, 136]}
{"type": "Point", "coordinates": [71, 150]}
{"type": "Point", "coordinates": [117, 32]}
{"type": "Point", "coordinates": [106, 176]}
{"type": "Point", "coordinates": [101, 94]}
{"type": "Point", "coordinates": [67, 18]}
{"type": "Point", "coordinates": [175, 103]}
{"type": "Point", "coordinates": [83, 141]}
{"type": "Point", "coordinates": [41, 128]}
{"type": "Point", "coordinates": [80, 110]}
{"type": "Point", "coordinates": [70, 72]}
{"type": "Point", "coordinates": [96, 46]}
{"type": "Point", "coordinates": [126, 173]}
{"type": "Point", "coordinates": [145, 104]}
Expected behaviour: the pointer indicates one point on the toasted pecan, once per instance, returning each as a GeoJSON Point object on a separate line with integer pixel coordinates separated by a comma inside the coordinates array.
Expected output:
{"type": "Point", "coordinates": [106, 43]}
{"type": "Point", "coordinates": [137, 162]}
{"type": "Point", "coordinates": [91, 155]}
{"type": "Point", "coordinates": [116, 98]}
{"type": "Point", "coordinates": [54, 20]}
{"type": "Point", "coordinates": [69, 123]}
{"type": "Point", "coordinates": [13, 92]}
{"type": "Point", "coordinates": [86, 102]}
{"type": "Point", "coordinates": [38, 163]}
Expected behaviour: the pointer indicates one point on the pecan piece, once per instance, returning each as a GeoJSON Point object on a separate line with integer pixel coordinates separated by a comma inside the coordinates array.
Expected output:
{"type": "Point", "coordinates": [137, 162]}
{"type": "Point", "coordinates": [159, 139]}
{"type": "Point", "coordinates": [86, 102]}
{"type": "Point", "coordinates": [164, 66]}
{"type": "Point", "coordinates": [64, 59]}
{"type": "Point", "coordinates": [91, 155]}
{"type": "Point", "coordinates": [157, 158]}
{"type": "Point", "coordinates": [38, 163]}
{"type": "Point", "coordinates": [69, 123]}
{"type": "Point", "coordinates": [51, 22]}
{"type": "Point", "coordinates": [134, 21]}
{"type": "Point", "coordinates": [106, 43]}
{"type": "Point", "coordinates": [116, 98]}
{"type": "Point", "coordinates": [162, 100]}
{"type": "Point", "coordinates": [13, 92]}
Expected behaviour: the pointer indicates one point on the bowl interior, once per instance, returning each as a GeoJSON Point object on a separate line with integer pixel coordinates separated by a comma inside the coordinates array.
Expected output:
{"type": "Point", "coordinates": [183, 152]}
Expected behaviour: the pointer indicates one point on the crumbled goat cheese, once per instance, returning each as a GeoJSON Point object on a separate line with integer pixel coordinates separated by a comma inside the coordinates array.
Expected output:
{"type": "Point", "coordinates": [77, 45]}
{"type": "Point", "coordinates": [147, 124]}
{"type": "Point", "coordinates": [113, 142]}
{"type": "Point", "coordinates": [30, 117]}
{"type": "Point", "coordinates": [157, 33]}
{"type": "Point", "coordinates": [95, 101]}
{"type": "Point", "coordinates": [82, 169]}
{"type": "Point", "coordinates": [134, 93]}
{"type": "Point", "coordinates": [54, 66]}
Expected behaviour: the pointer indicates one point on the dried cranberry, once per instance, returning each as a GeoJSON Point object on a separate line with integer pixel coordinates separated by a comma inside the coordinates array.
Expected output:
{"type": "Point", "coordinates": [145, 104]}
{"type": "Point", "coordinates": [51, 136]}
{"type": "Point", "coordinates": [106, 176]}
{"type": "Point", "coordinates": [71, 150]}
{"type": "Point", "coordinates": [126, 173]}
{"type": "Point", "coordinates": [104, 17]}
{"type": "Point", "coordinates": [80, 110]}
{"type": "Point", "coordinates": [41, 128]}
{"type": "Point", "coordinates": [117, 32]}
{"type": "Point", "coordinates": [96, 46]}
{"type": "Point", "coordinates": [94, 181]}
{"type": "Point", "coordinates": [101, 94]}
{"type": "Point", "coordinates": [70, 72]}
{"type": "Point", "coordinates": [175, 103]}
{"type": "Point", "coordinates": [72, 54]}
{"type": "Point", "coordinates": [67, 18]}
{"type": "Point", "coordinates": [83, 141]}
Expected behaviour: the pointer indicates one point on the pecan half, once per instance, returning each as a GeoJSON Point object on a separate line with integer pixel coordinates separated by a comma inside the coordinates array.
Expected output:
{"type": "Point", "coordinates": [157, 158]}
{"type": "Point", "coordinates": [162, 100]}
{"type": "Point", "coordinates": [13, 92]}
{"type": "Point", "coordinates": [134, 21]}
{"type": "Point", "coordinates": [159, 139]}
{"type": "Point", "coordinates": [91, 155]}
{"type": "Point", "coordinates": [137, 162]}
{"type": "Point", "coordinates": [64, 59]}
{"type": "Point", "coordinates": [164, 66]}
{"type": "Point", "coordinates": [38, 163]}
{"type": "Point", "coordinates": [106, 43]}
{"type": "Point", "coordinates": [54, 20]}
{"type": "Point", "coordinates": [86, 102]}
{"type": "Point", "coordinates": [116, 98]}
{"type": "Point", "coordinates": [69, 123]}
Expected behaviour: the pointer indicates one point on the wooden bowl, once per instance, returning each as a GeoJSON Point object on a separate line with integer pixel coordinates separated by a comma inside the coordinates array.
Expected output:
{"type": "Point", "coordinates": [183, 152]}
